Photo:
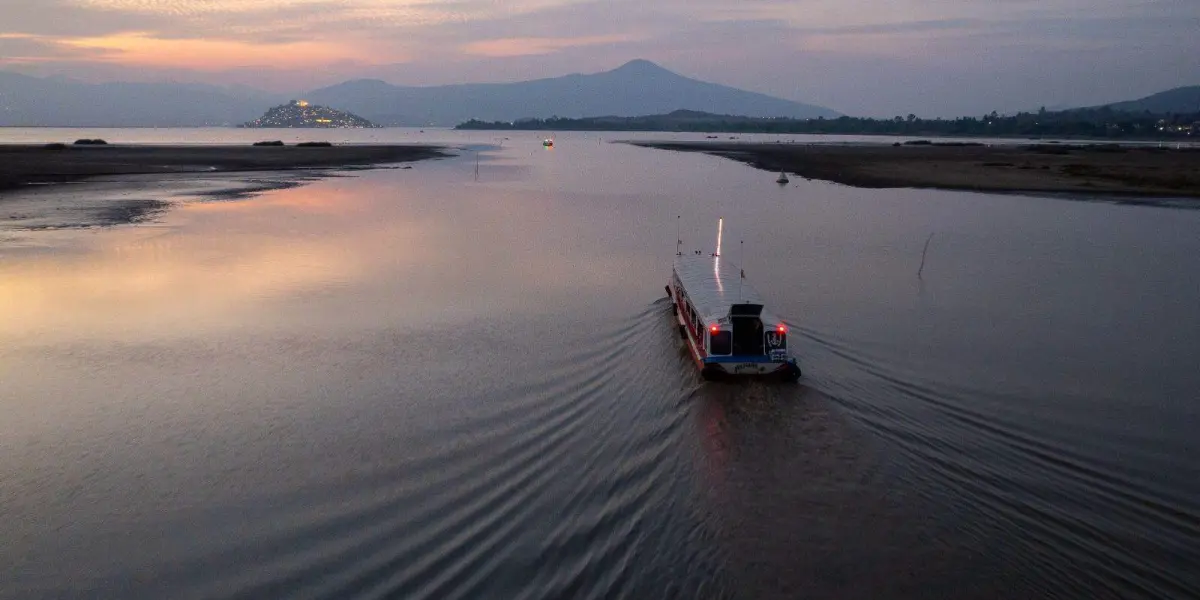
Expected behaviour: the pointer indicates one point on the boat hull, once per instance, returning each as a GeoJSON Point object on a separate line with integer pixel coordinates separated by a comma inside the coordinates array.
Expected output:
{"type": "Point", "coordinates": [728, 367]}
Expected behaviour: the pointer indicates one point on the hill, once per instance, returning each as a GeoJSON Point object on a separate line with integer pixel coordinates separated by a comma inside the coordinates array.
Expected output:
{"type": "Point", "coordinates": [637, 88]}
{"type": "Point", "coordinates": [36, 102]}
{"type": "Point", "coordinates": [299, 113]}
{"type": "Point", "coordinates": [1179, 100]}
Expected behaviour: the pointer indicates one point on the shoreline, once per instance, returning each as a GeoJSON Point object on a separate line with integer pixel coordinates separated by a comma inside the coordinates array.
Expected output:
{"type": "Point", "coordinates": [1140, 173]}
{"type": "Point", "coordinates": [23, 165]}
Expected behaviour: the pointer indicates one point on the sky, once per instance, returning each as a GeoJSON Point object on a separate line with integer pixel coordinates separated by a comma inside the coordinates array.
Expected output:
{"type": "Point", "coordinates": [862, 57]}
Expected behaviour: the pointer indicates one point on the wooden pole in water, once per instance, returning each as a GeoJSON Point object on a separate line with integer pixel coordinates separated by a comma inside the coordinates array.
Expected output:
{"type": "Point", "coordinates": [923, 253]}
{"type": "Point", "coordinates": [741, 267]}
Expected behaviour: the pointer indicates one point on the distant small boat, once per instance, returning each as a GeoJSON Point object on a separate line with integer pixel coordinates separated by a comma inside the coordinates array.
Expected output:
{"type": "Point", "coordinates": [548, 142]}
{"type": "Point", "coordinates": [783, 178]}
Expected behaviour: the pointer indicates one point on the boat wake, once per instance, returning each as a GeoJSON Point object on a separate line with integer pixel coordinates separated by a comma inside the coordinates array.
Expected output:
{"type": "Point", "coordinates": [607, 467]}
{"type": "Point", "coordinates": [999, 479]}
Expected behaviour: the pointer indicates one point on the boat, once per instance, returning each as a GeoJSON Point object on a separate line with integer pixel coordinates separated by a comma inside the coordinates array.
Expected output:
{"type": "Point", "coordinates": [548, 142]}
{"type": "Point", "coordinates": [783, 178]}
{"type": "Point", "coordinates": [728, 331]}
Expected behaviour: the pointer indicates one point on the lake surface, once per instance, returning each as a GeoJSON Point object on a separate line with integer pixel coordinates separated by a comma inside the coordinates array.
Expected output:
{"type": "Point", "coordinates": [416, 384]}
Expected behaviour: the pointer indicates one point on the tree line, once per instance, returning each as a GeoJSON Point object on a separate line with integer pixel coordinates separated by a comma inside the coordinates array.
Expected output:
{"type": "Point", "coordinates": [1091, 122]}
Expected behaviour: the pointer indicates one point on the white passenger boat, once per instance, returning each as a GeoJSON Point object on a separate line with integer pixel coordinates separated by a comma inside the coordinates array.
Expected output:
{"type": "Point", "coordinates": [724, 322]}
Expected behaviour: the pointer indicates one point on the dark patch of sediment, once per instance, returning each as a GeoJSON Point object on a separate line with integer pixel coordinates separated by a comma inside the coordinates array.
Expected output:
{"type": "Point", "coordinates": [123, 212]}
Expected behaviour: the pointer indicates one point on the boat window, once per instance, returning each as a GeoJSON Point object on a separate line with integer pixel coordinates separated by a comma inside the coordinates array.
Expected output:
{"type": "Point", "coordinates": [721, 343]}
{"type": "Point", "coordinates": [776, 340]}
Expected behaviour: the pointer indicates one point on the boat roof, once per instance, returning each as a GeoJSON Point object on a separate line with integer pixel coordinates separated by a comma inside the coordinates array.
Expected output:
{"type": "Point", "coordinates": [714, 284]}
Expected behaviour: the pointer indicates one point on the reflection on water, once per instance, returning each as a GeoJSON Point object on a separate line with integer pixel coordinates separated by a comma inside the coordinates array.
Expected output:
{"type": "Point", "coordinates": [409, 383]}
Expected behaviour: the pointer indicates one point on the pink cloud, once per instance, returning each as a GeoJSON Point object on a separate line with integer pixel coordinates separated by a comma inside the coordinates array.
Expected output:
{"type": "Point", "coordinates": [531, 46]}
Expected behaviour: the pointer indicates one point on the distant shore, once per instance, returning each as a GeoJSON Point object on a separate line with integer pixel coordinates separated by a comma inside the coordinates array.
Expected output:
{"type": "Point", "coordinates": [1134, 171]}
{"type": "Point", "coordinates": [23, 164]}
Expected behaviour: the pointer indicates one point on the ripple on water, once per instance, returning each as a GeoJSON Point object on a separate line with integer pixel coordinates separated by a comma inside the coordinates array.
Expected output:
{"type": "Point", "coordinates": [1003, 482]}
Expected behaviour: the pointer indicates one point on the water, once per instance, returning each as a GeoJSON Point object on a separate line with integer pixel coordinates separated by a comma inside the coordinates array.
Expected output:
{"type": "Point", "coordinates": [412, 384]}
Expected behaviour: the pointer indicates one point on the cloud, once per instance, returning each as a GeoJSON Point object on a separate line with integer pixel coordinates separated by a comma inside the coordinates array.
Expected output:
{"type": "Point", "coordinates": [63, 18]}
{"type": "Point", "coordinates": [389, 13]}
{"type": "Point", "coordinates": [28, 49]}
{"type": "Point", "coordinates": [16, 49]}
{"type": "Point", "coordinates": [192, 7]}
{"type": "Point", "coordinates": [537, 45]}
{"type": "Point", "coordinates": [140, 48]}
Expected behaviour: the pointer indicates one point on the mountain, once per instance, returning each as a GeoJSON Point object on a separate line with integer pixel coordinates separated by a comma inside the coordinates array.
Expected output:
{"type": "Point", "coordinates": [299, 113]}
{"type": "Point", "coordinates": [1178, 100]}
{"type": "Point", "coordinates": [639, 87]}
{"type": "Point", "coordinates": [33, 101]}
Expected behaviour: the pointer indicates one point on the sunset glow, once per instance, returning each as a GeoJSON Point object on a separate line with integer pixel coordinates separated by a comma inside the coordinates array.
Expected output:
{"type": "Point", "coordinates": [210, 53]}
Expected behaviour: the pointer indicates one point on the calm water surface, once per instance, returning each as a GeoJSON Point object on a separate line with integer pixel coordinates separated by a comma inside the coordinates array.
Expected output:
{"type": "Point", "coordinates": [413, 384]}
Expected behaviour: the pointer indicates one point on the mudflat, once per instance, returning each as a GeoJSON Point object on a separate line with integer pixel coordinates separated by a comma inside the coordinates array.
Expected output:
{"type": "Point", "coordinates": [1135, 171]}
{"type": "Point", "coordinates": [26, 164]}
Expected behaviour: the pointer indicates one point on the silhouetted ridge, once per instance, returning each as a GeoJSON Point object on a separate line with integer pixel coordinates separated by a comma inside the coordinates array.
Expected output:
{"type": "Point", "coordinates": [1178, 100]}
{"type": "Point", "coordinates": [62, 102]}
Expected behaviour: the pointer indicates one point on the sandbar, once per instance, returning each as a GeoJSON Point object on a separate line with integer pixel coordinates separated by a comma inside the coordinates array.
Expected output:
{"type": "Point", "coordinates": [121, 184]}
{"type": "Point", "coordinates": [23, 164]}
{"type": "Point", "coordinates": [1140, 173]}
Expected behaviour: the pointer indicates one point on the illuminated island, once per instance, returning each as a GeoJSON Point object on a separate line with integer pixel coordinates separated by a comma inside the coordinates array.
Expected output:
{"type": "Point", "coordinates": [299, 113]}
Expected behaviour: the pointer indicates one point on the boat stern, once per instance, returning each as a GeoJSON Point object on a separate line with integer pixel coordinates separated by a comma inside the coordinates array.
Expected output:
{"type": "Point", "coordinates": [726, 367]}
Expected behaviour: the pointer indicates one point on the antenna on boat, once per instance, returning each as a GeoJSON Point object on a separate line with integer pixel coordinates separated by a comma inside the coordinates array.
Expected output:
{"type": "Point", "coordinates": [678, 236]}
{"type": "Point", "coordinates": [720, 232]}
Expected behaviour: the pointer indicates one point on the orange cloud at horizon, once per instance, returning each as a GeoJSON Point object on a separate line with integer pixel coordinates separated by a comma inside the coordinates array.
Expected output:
{"type": "Point", "coordinates": [207, 54]}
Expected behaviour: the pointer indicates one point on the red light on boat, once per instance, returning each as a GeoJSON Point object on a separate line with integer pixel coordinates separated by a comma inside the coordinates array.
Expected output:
{"type": "Point", "coordinates": [782, 329]}
{"type": "Point", "coordinates": [714, 329]}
